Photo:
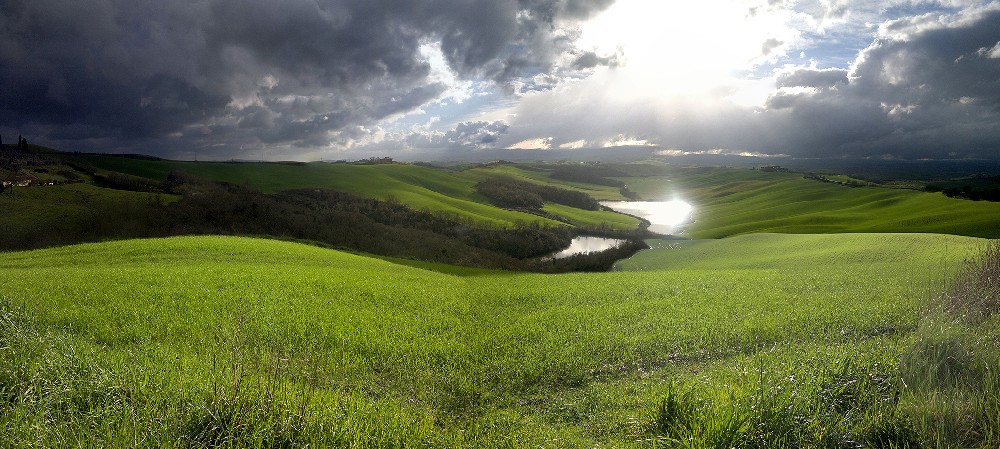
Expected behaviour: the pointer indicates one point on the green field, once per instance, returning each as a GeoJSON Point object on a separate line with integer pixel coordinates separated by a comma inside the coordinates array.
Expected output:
{"type": "Point", "coordinates": [419, 187]}
{"type": "Point", "coordinates": [756, 341]}
{"type": "Point", "coordinates": [735, 201]}
{"type": "Point", "coordinates": [72, 213]}
{"type": "Point", "coordinates": [540, 174]}
{"type": "Point", "coordinates": [727, 201]}
{"type": "Point", "coordinates": [818, 321]}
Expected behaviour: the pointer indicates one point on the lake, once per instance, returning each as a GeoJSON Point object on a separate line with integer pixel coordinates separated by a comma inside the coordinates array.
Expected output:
{"type": "Point", "coordinates": [583, 244]}
{"type": "Point", "coordinates": [665, 217]}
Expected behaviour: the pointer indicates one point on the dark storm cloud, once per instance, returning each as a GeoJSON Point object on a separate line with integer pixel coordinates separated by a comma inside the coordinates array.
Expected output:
{"type": "Point", "coordinates": [812, 78]}
{"type": "Point", "coordinates": [233, 72]}
{"type": "Point", "coordinates": [464, 136]}
{"type": "Point", "coordinates": [929, 93]}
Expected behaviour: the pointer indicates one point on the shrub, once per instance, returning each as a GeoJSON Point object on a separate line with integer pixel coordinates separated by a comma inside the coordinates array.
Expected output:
{"type": "Point", "coordinates": [952, 386]}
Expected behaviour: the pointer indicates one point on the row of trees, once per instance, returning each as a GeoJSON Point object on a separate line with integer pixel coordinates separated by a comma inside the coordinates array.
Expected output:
{"type": "Point", "coordinates": [969, 192]}
{"type": "Point", "coordinates": [843, 182]}
{"type": "Point", "coordinates": [511, 193]}
{"type": "Point", "coordinates": [325, 217]}
{"type": "Point", "coordinates": [22, 143]}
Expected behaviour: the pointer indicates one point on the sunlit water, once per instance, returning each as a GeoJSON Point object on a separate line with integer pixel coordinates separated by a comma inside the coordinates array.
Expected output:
{"type": "Point", "coordinates": [581, 245]}
{"type": "Point", "coordinates": [665, 217]}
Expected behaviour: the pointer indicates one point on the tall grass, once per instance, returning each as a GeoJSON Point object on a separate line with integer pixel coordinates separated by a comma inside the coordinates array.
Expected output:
{"type": "Point", "coordinates": [974, 296]}
{"type": "Point", "coordinates": [847, 403]}
{"type": "Point", "coordinates": [54, 392]}
{"type": "Point", "coordinates": [944, 391]}
{"type": "Point", "coordinates": [951, 374]}
{"type": "Point", "coordinates": [231, 342]}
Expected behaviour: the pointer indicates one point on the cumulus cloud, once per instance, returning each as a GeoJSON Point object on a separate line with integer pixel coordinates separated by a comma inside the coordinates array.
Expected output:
{"type": "Point", "coordinates": [295, 78]}
{"type": "Point", "coordinates": [812, 78]}
{"type": "Point", "coordinates": [908, 97]}
{"type": "Point", "coordinates": [477, 134]}
{"type": "Point", "coordinates": [932, 91]}
{"type": "Point", "coordinates": [590, 59]}
{"type": "Point", "coordinates": [147, 75]}
{"type": "Point", "coordinates": [911, 96]}
{"type": "Point", "coordinates": [464, 136]}
{"type": "Point", "coordinates": [991, 53]}
{"type": "Point", "coordinates": [769, 46]}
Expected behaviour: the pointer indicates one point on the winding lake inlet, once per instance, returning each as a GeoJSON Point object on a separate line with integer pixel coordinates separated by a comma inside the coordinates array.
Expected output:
{"type": "Point", "coordinates": [585, 244]}
{"type": "Point", "coordinates": [665, 217]}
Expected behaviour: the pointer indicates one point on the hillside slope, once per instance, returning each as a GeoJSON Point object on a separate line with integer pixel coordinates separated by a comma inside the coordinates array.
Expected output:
{"type": "Point", "coordinates": [731, 202]}
{"type": "Point", "coordinates": [207, 340]}
{"type": "Point", "coordinates": [419, 187]}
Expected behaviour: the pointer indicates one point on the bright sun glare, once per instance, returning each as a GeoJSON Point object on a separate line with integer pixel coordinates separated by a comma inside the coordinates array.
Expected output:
{"type": "Point", "coordinates": [663, 216]}
{"type": "Point", "coordinates": [670, 213]}
{"type": "Point", "coordinates": [675, 48]}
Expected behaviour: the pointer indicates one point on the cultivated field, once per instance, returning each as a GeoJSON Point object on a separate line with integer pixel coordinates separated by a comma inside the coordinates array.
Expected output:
{"type": "Point", "coordinates": [727, 201]}
{"type": "Point", "coordinates": [830, 316]}
{"type": "Point", "coordinates": [737, 201]}
{"type": "Point", "coordinates": [756, 341]}
{"type": "Point", "coordinates": [419, 187]}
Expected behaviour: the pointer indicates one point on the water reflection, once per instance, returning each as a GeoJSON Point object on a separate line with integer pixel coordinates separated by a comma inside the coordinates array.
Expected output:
{"type": "Point", "coordinates": [581, 245]}
{"type": "Point", "coordinates": [665, 217]}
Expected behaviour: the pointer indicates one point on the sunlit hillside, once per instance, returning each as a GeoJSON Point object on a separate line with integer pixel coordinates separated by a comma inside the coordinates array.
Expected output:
{"type": "Point", "coordinates": [226, 341]}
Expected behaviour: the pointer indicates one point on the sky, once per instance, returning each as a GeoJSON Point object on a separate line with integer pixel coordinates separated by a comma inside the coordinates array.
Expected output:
{"type": "Point", "coordinates": [445, 79]}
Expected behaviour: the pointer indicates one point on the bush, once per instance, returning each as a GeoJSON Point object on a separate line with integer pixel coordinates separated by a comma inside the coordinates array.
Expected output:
{"type": "Point", "coordinates": [121, 181]}
{"type": "Point", "coordinates": [511, 193]}
{"type": "Point", "coordinates": [975, 294]}
{"type": "Point", "coordinates": [951, 394]}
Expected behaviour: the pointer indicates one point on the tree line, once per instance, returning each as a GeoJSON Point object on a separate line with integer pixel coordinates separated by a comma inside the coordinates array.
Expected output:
{"type": "Point", "coordinates": [987, 189]}
{"type": "Point", "coordinates": [507, 192]}
{"type": "Point", "coordinates": [318, 216]}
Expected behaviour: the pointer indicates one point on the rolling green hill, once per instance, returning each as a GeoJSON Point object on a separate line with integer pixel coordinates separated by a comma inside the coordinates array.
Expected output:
{"type": "Point", "coordinates": [732, 202]}
{"type": "Point", "coordinates": [818, 322]}
{"type": "Point", "coordinates": [419, 187]}
{"type": "Point", "coordinates": [727, 201]}
{"type": "Point", "coordinates": [60, 215]}
{"type": "Point", "coordinates": [234, 342]}
{"type": "Point", "coordinates": [784, 251]}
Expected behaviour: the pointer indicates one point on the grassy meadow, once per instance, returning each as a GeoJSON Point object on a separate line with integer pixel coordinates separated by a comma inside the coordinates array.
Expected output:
{"type": "Point", "coordinates": [736, 201]}
{"type": "Point", "coordinates": [419, 187]}
{"type": "Point", "coordinates": [71, 213]}
{"type": "Point", "coordinates": [727, 201]}
{"type": "Point", "coordinates": [800, 313]}
{"type": "Point", "coordinates": [755, 341]}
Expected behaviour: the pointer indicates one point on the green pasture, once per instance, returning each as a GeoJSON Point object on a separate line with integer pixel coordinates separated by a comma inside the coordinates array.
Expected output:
{"type": "Point", "coordinates": [540, 175]}
{"type": "Point", "coordinates": [787, 251]}
{"type": "Point", "coordinates": [237, 342]}
{"type": "Point", "coordinates": [733, 201]}
{"type": "Point", "coordinates": [727, 201]}
{"type": "Point", "coordinates": [73, 213]}
{"type": "Point", "coordinates": [592, 218]}
{"type": "Point", "coordinates": [419, 187]}
{"type": "Point", "coordinates": [416, 186]}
